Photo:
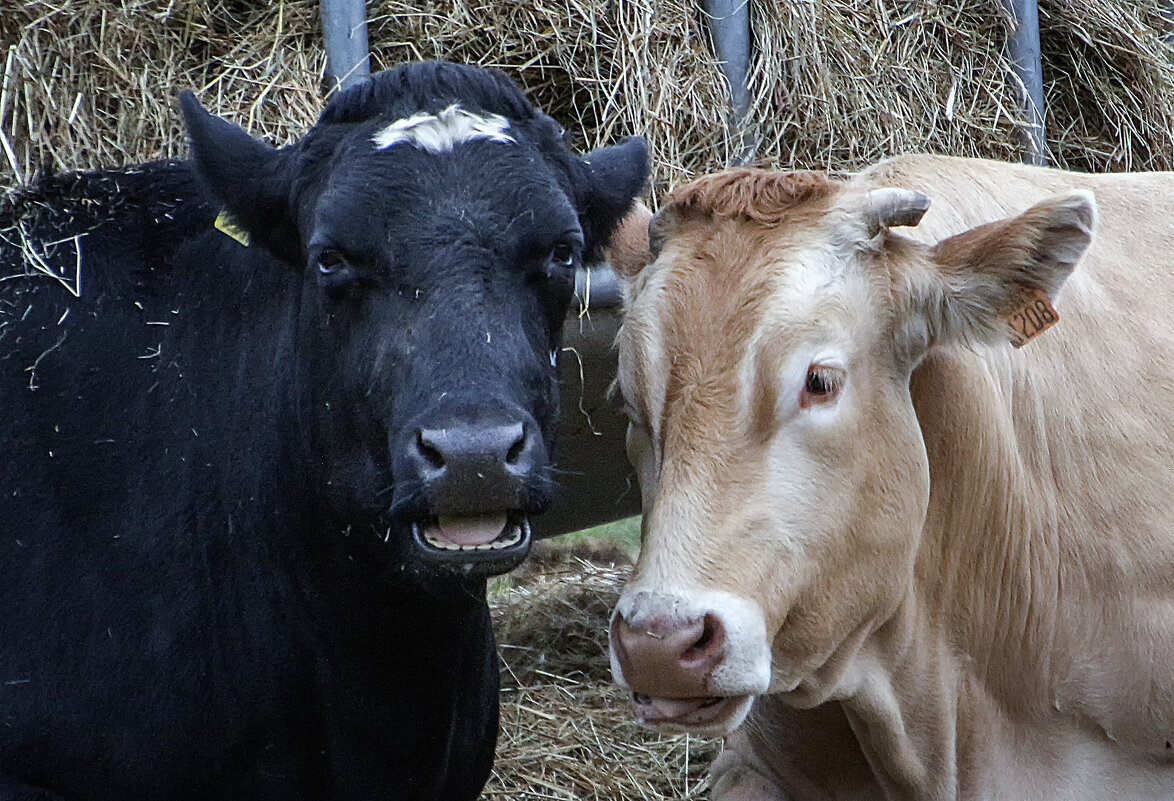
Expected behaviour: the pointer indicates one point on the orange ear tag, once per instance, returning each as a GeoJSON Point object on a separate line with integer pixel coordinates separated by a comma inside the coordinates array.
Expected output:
{"type": "Point", "coordinates": [1030, 316]}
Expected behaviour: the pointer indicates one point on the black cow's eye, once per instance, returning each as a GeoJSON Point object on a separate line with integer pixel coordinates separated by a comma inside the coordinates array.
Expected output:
{"type": "Point", "coordinates": [330, 262]}
{"type": "Point", "coordinates": [563, 254]}
{"type": "Point", "coordinates": [336, 275]}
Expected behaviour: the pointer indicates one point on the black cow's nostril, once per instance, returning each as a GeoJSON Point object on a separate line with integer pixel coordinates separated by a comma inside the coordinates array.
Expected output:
{"type": "Point", "coordinates": [426, 446]}
{"type": "Point", "coordinates": [515, 451]}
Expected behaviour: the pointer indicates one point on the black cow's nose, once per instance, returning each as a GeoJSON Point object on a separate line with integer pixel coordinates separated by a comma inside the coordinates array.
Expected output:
{"type": "Point", "coordinates": [468, 464]}
{"type": "Point", "coordinates": [465, 448]}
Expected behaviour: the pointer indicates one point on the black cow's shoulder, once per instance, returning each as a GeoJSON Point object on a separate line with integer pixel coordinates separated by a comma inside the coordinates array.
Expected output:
{"type": "Point", "coordinates": [148, 199]}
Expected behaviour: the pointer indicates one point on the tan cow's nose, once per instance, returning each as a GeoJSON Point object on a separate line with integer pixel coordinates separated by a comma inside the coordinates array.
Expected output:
{"type": "Point", "coordinates": [668, 658]}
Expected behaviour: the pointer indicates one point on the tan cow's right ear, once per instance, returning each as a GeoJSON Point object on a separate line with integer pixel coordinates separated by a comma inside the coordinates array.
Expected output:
{"type": "Point", "coordinates": [627, 251]}
{"type": "Point", "coordinates": [975, 278]}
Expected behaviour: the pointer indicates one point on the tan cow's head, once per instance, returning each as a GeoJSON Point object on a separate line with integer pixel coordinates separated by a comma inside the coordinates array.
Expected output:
{"type": "Point", "coordinates": [765, 362]}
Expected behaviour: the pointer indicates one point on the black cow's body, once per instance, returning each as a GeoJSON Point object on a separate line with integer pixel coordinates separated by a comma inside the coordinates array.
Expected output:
{"type": "Point", "coordinates": [214, 461]}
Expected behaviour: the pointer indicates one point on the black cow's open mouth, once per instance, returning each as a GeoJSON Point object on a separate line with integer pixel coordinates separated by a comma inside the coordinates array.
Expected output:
{"type": "Point", "coordinates": [485, 544]}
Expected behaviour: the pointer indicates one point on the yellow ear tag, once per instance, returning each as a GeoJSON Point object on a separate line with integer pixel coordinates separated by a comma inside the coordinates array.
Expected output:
{"type": "Point", "coordinates": [1030, 316]}
{"type": "Point", "coordinates": [227, 226]}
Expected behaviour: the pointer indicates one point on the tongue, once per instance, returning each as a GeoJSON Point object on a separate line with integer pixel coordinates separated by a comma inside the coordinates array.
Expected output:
{"type": "Point", "coordinates": [670, 708]}
{"type": "Point", "coordinates": [471, 530]}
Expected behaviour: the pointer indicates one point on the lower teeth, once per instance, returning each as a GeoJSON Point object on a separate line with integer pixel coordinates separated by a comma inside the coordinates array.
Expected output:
{"type": "Point", "coordinates": [513, 537]}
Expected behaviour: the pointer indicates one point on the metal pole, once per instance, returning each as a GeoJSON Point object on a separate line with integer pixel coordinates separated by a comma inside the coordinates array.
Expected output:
{"type": "Point", "coordinates": [344, 25]}
{"type": "Point", "coordinates": [730, 26]}
{"type": "Point", "coordinates": [1023, 47]}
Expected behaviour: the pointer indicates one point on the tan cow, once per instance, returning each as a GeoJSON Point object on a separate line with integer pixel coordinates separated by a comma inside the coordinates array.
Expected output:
{"type": "Point", "coordinates": [895, 556]}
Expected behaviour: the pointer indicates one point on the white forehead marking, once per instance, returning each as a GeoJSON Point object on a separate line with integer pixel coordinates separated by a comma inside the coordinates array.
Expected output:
{"type": "Point", "coordinates": [440, 133]}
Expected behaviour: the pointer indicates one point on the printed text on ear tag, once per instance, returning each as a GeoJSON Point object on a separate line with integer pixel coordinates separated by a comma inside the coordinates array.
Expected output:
{"type": "Point", "coordinates": [1031, 315]}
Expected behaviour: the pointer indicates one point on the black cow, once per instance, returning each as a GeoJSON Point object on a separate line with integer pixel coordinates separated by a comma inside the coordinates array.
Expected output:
{"type": "Point", "coordinates": [249, 494]}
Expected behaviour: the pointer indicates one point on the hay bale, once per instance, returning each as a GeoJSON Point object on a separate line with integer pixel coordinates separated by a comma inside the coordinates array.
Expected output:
{"type": "Point", "coordinates": [842, 83]}
{"type": "Point", "coordinates": [88, 84]}
{"type": "Point", "coordinates": [846, 83]}
{"type": "Point", "coordinates": [1110, 87]}
{"type": "Point", "coordinates": [567, 732]}
{"type": "Point", "coordinates": [837, 83]}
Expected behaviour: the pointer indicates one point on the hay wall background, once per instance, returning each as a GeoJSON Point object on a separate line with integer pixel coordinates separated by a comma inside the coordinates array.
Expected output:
{"type": "Point", "coordinates": [89, 85]}
{"type": "Point", "coordinates": [847, 82]}
{"type": "Point", "coordinates": [838, 83]}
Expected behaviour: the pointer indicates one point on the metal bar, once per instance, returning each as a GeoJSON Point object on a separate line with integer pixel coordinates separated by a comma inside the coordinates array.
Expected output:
{"type": "Point", "coordinates": [1023, 48]}
{"type": "Point", "coordinates": [597, 287]}
{"type": "Point", "coordinates": [344, 25]}
{"type": "Point", "coordinates": [729, 22]}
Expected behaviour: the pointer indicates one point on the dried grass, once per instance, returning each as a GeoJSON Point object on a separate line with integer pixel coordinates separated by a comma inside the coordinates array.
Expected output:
{"type": "Point", "coordinates": [846, 83]}
{"type": "Point", "coordinates": [91, 84]}
{"type": "Point", "coordinates": [1110, 92]}
{"type": "Point", "coordinates": [842, 83]}
{"type": "Point", "coordinates": [567, 732]}
{"type": "Point", "coordinates": [837, 83]}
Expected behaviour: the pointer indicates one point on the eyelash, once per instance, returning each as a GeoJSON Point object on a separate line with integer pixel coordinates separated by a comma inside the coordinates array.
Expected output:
{"type": "Point", "coordinates": [822, 385]}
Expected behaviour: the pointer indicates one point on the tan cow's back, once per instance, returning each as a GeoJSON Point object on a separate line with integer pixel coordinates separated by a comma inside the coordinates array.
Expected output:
{"type": "Point", "coordinates": [1033, 654]}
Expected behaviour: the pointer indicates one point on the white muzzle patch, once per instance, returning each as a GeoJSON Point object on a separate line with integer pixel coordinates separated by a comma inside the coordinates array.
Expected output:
{"type": "Point", "coordinates": [440, 133]}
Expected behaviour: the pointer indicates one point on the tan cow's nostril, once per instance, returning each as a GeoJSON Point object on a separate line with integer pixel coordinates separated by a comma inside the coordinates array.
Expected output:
{"type": "Point", "coordinates": [708, 646]}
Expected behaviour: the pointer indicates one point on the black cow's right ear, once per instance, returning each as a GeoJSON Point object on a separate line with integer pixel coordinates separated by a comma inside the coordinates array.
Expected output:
{"type": "Point", "coordinates": [614, 177]}
{"type": "Point", "coordinates": [249, 177]}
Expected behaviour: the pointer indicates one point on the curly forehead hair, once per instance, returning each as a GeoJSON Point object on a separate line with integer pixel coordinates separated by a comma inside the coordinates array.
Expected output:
{"type": "Point", "coordinates": [764, 196]}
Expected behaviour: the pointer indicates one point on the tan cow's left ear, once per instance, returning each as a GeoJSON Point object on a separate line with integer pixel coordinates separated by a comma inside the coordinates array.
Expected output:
{"type": "Point", "coordinates": [628, 250]}
{"type": "Point", "coordinates": [977, 277]}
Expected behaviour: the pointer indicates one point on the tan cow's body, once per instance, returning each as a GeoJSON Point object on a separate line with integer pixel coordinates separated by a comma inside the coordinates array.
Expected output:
{"type": "Point", "coordinates": [960, 558]}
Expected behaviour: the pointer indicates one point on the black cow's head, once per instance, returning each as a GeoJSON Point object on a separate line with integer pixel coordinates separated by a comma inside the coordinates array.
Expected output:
{"type": "Point", "coordinates": [437, 220]}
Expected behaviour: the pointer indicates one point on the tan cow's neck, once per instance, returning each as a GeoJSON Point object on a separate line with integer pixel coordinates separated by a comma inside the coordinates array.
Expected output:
{"type": "Point", "coordinates": [1024, 617]}
{"type": "Point", "coordinates": [1008, 564]}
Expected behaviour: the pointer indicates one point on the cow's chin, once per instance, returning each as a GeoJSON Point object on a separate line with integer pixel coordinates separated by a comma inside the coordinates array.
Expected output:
{"type": "Point", "coordinates": [474, 545]}
{"type": "Point", "coordinates": [711, 716]}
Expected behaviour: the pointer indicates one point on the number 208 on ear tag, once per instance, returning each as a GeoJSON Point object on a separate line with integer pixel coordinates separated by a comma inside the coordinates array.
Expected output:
{"type": "Point", "coordinates": [1030, 316]}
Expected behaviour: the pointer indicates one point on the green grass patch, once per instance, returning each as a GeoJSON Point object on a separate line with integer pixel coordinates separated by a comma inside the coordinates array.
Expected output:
{"type": "Point", "coordinates": [624, 534]}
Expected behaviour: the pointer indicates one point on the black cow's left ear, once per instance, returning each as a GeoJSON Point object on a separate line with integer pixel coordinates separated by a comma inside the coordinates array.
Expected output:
{"type": "Point", "coordinates": [248, 176]}
{"type": "Point", "coordinates": [614, 177]}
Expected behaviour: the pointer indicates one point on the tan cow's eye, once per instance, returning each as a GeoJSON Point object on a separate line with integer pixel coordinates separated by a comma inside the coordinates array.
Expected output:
{"type": "Point", "coordinates": [822, 385]}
